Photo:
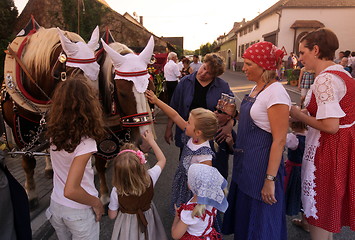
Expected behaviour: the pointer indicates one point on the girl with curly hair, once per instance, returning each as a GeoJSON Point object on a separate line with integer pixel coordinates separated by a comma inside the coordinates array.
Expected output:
{"type": "Point", "coordinates": [74, 125]}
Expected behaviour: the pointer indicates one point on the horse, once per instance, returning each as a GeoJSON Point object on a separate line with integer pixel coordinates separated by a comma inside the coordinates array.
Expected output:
{"type": "Point", "coordinates": [123, 81]}
{"type": "Point", "coordinates": [33, 67]}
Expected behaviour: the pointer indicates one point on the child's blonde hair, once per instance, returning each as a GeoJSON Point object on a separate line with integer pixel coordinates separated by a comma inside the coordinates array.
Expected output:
{"type": "Point", "coordinates": [130, 176]}
{"type": "Point", "coordinates": [200, 209]}
{"type": "Point", "coordinates": [206, 122]}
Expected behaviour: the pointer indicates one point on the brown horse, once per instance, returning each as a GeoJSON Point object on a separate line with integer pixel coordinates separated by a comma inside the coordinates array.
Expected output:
{"type": "Point", "coordinates": [33, 68]}
{"type": "Point", "coordinates": [122, 94]}
{"type": "Point", "coordinates": [32, 71]}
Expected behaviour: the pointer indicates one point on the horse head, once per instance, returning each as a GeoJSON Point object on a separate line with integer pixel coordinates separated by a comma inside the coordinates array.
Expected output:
{"type": "Point", "coordinates": [131, 80]}
{"type": "Point", "coordinates": [81, 55]}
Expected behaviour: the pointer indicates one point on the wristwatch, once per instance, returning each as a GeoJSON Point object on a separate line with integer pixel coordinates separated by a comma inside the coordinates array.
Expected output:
{"type": "Point", "coordinates": [270, 177]}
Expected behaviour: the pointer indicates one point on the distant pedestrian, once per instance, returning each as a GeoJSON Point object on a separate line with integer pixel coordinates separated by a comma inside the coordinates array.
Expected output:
{"type": "Point", "coordinates": [74, 125]}
{"type": "Point", "coordinates": [186, 69]}
{"type": "Point", "coordinates": [305, 81]}
{"type": "Point", "coordinates": [328, 185]}
{"type": "Point", "coordinates": [196, 64]}
{"type": "Point", "coordinates": [194, 219]}
{"type": "Point", "coordinates": [171, 74]}
{"type": "Point", "coordinates": [132, 194]}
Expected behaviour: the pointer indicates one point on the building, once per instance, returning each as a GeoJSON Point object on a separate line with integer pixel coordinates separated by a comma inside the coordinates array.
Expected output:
{"type": "Point", "coordinates": [83, 16]}
{"type": "Point", "coordinates": [227, 45]}
{"type": "Point", "coordinates": [287, 21]}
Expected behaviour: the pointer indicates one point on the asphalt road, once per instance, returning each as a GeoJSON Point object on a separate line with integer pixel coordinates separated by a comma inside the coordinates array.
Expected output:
{"type": "Point", "coordinates": [240, 86]}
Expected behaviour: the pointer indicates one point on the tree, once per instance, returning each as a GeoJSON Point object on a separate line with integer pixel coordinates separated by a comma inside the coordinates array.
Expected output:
{"type": "Point", "coordinates": [8, 15]}
{"type": "Point", "coordinates": [206, 48]}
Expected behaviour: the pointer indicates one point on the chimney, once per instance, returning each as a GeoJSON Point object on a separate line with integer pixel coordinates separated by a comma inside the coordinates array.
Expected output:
{"type": "Point", "coordinates": [141, 20]}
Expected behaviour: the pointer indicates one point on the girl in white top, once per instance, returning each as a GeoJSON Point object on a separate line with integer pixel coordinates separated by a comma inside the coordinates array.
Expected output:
{"type": "Point", "coordinates": [201, 127]}
{"type": "Point", "coordinates": [194, 220]}
{"type": "Point", "coordinates": [74, 123]}
{"type": "Point", "coordinates": [131, 197]}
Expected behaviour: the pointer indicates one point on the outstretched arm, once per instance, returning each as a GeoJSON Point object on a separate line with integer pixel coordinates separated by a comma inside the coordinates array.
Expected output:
{"type": "Point", "coordinates": [169, 111]}
{"type": "Point", "coordinates": [148, 136]}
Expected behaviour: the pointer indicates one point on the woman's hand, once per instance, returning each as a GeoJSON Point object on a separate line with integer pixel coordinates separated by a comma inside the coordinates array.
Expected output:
{"type": "Point", "coordinates": [152, 98]}
{"type": "Point", "coordinates": [268, 192]}
{"type": "Point", "coordinates": [295, 112]}
{"type": "Point", "coordinates": [224, 132]}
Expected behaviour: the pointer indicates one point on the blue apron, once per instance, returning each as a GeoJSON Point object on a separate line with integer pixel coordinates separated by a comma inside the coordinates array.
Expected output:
{"type": "Point", "coordinates": [247, 216]}
{"type": "Point", "coordinates": [252, 150]}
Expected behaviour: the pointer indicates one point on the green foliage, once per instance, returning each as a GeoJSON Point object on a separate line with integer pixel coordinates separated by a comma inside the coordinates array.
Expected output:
{"type": "Point", "coordinates": [8, 15]}
{"type": "Point", "coordinates": [89, 18]}
{"type": "Point", "coordinates": [206, 48]}
{"type": "Point", "coordinates": [189, 52]}
{"type": "Point", "coordinates": [292, 75]}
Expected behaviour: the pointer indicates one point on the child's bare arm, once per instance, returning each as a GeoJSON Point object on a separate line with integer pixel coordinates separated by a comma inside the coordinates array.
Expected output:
{"type": "Point", "coordinates": [169, 111]}
{"type": "Point", "coordinates": [178, 228]}
{"type": "Point", "coordinates": [112, 214]}
{"type": "Point", "coordinates": [148, 136]}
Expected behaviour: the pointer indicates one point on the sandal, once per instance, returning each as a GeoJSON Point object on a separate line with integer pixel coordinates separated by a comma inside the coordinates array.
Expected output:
{"type": "Point", "coordinates": [298, 222]}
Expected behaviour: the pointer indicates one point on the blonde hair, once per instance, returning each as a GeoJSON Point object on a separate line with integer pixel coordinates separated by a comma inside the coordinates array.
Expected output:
{"type": "Point", "coordinates": [206, 122]}
{"type": "Point", "coordinates": [268, 75]}
{"type": "Point", "coordinates": [200, 209]}
{"type": "Point", "coordinates": [130, 177]}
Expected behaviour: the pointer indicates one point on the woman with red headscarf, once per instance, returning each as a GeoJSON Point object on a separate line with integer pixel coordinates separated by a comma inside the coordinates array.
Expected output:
{"type": "Point", "coordinates": [256, 204]}
{"type": "Point", "coordinates": [328, 166]}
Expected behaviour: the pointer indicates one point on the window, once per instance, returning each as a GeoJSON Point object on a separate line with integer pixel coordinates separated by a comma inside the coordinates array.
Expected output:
{"type": "Point", "coordinates": [239, 50]}
{"type": "Point", "coordinates": [256, 25]}
{"type": "Point", "coordinates": [250, 28]}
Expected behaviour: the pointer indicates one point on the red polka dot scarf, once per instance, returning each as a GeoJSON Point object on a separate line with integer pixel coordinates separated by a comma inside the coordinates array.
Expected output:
{"type": "Point", "coordinates": [265, 54]}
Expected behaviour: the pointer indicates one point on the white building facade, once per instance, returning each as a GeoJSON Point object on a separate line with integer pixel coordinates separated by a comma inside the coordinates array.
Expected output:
{"type": "Point", "coordinates": [287, 21]}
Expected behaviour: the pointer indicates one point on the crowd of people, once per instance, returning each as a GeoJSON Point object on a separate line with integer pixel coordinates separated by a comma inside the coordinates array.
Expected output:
{"type": "Point", "coordinates": [316, 179]}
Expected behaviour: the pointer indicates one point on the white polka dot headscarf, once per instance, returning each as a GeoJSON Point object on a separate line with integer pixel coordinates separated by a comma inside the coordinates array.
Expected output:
{"type": "Point", "coordinates": [265, 54]}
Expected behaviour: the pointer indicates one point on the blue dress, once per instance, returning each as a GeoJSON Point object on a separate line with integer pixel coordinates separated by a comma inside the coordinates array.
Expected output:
{"type": "Point", "coordinates": [247, 216]}
{"type": "Point", "coordinates": [180, 192]}
{"type": "Point", "coordinates": [293, 188]}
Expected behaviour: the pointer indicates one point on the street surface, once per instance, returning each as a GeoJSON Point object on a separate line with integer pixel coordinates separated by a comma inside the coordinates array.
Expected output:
{"type": "Point", "coordinates": [42, 229]}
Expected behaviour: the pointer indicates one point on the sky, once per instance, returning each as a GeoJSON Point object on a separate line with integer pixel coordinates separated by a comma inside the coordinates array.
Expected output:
{"type": "Point", "coordinates": [198, 21]}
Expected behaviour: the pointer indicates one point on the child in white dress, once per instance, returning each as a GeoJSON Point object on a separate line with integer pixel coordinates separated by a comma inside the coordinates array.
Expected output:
{"type": "Point", "coordinates": [131, 197]}
{"type": "Point", "coordinates": [194, 220]}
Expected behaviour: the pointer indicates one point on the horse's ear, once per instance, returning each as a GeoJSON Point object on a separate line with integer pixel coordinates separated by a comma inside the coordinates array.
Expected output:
{"type": "Point", "coordinates": [93, 44]}
{"type": "Point", "coordinates": [68, 46]}
{"type": "Point", "coordinates": [147, 52]}
{"type": "Point", "coordinates": [117, 59]}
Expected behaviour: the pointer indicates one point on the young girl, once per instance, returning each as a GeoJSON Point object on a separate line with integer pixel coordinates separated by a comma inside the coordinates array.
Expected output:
{"type": "Point", "coordinates": [295, 143]}
{"type": "Point", "coordinates": [132, 194]}
{"type": "Point", "coordinates": [201, 127]}
{"type": "Point", "coordinates": [194, 220]}
{"type": "Point", "coordinates": [74, 123]}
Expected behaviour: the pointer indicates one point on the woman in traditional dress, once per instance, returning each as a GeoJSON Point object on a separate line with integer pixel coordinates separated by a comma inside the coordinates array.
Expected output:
{"type": "Point", "coordinates": [328, 168]}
